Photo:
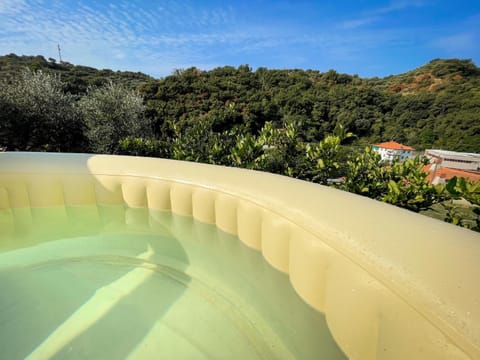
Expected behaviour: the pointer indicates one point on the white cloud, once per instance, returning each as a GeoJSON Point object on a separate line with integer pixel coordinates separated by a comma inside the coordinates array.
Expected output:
{"type": "Point", "coordinates": [397, 5]}
{"type": "Point", "coordinates": [359, 22]}
{"type": "Point", "coordinates": [461, 40]}
{"type": "Point", "coordinates": [11, 7]}
{"type": "Point", "coordinates": [146, 36]}
{"type": "Point", "coordinates": [374, 15]}
{"type": "Point", "coordinates": [122, 36]}
{"type": "Point", "coordinates": [457, 43]}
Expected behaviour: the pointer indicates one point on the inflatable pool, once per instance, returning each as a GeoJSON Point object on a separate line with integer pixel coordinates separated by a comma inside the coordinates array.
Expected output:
{"type": "Point", "coordinates": [374, 281]}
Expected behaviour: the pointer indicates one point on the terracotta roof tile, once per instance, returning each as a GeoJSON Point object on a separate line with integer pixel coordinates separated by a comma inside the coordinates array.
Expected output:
{"type": "Point", "coordinates": [448, 173]}
{"type": "Point", "coordinates": [394, 146]}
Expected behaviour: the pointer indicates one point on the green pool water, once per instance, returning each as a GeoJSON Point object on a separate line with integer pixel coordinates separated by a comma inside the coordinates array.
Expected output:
{"type": "Point", "coordinates": [110, 282]}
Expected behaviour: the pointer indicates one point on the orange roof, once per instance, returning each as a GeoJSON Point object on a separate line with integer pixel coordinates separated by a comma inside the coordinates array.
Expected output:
{"type": "Point", "coordinates": [394, 146]}
{"type": "Point", "coordinates": [448, 173]}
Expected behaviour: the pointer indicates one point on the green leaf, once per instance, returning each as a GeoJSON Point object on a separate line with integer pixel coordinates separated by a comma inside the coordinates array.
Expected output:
{"type": "Point", "coordinates": [392, 185]}
{"type": "Point", "coordinates": [462, 185]}
{"type": "Point", "coordinates": [451, 187]}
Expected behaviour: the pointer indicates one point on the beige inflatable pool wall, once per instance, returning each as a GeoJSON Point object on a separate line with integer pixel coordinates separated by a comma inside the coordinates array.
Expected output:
{"type": "Point", "coordinates": [392, 284]}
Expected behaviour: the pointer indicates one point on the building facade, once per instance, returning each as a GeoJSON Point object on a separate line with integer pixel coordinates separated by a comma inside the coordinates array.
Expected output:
{"type": "Point", "coordinates": [454, 159]}
{"type": "Point", "coordinates": [445, 164]}
{"type": "Point", "coordinates": [392, 151]}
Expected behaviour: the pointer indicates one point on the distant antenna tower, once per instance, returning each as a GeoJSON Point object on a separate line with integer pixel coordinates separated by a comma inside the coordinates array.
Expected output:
{"type": "Point", "coordinates": [59, 52]}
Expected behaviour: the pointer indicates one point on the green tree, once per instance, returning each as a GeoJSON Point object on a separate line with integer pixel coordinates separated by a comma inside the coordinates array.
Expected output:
{"type": "Point", "coordinates": [402, 184]}
{"type": "Point", "coordinates": [461, 205]}
{"type": "Point", "coordinates": [327, 156]}
{"type": "Point", "coordinates": [282, 149]}
{"type": "Point", "coordinates": [408, 186]}
{"type": "Point", "coordinates": [246, 151]}
{"type": "Point", "coordinates": [199, 143]}
{"type": "Point", "coordinates": [112, 113]}
{"type": "Point", "coordinates": [143, 147]}
{"type": "Point", "coordinates": [37, 115]}
{"type": "Point", "coordinates": [365, 175]}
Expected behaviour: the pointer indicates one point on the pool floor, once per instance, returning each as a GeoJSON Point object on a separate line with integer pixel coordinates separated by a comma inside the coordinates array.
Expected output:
{"type": "Point", "coordinates": [113, 282]}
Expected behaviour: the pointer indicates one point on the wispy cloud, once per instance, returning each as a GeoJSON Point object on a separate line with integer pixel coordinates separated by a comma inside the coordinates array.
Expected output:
{"type": "Point", "coordinates": [122, 35]}
{"type": "Point", "coordinates": [122, 29]}
{"type": "Point", "coordinates": [160, 35]}
{"type": "Point", "coordinates": [359, 22]}
{"type": "Point", "coordinates": [397, 5]}
{"type": "Point", "coordinates": [457, 43]}
{"type": "Point", "coordinates": [461, 40]}
{"type": "Point", "coordinates": [375, 15]}
{"type": "Point", "coordinates": [11, 7]}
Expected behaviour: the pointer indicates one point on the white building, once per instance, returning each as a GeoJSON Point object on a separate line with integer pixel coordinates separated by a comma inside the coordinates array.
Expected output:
{"type": "Point", "coordinates": [454, 159]}
{"type": "Point", "coordinates": [391, 150]}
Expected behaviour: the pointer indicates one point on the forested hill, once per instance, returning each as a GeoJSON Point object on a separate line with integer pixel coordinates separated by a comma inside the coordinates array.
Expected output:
{"type": "Point", "coordinates": [76, 77]}
{"type": "Point", "coordinates": [436, 105]}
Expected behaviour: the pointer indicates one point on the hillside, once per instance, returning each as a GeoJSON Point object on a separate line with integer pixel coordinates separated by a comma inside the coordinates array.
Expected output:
{"type": "Point", "coordinates": [436, 105]}
{"type": "Point", "coordinates": [76, 77]}
{"type": "Point", "coordinates": [434, 76]}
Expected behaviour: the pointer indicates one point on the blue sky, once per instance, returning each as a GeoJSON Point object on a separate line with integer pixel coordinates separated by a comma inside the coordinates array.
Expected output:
{"type": "Point", "coordinates": [364, 37]}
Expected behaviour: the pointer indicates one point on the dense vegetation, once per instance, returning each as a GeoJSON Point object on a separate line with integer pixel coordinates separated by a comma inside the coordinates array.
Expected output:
{"type": "Point", "coordinates": [291, 122]}
{"type": "Point", "coordinates": [436, 105]}
{"type": "Point", "coordinates": [76, 78]}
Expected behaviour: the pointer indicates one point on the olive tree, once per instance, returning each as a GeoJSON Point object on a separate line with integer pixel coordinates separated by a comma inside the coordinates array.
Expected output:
{"type": "Point", "coordinates": [37, 115]}
{"type": "Point", "coordinates": [112, 113]}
